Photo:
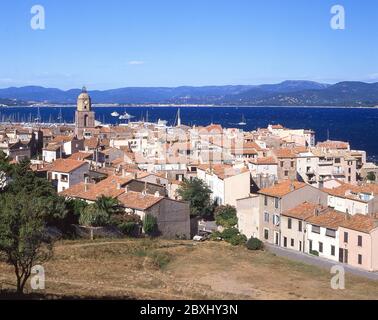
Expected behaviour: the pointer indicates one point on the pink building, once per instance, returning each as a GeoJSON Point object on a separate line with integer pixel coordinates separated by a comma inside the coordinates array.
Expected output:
{"type": "Point", "coordinates": [359, 242]}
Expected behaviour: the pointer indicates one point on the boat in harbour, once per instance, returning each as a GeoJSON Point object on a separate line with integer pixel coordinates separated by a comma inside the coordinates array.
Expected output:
{"type": "Point", "coordinates": [243, 121]}
{"type": "Point", "coordinates": [115, 114]}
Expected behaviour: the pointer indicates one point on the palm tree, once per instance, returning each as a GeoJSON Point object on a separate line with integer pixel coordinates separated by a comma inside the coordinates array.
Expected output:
{"type": "Point", "coordinates": [108, 205]}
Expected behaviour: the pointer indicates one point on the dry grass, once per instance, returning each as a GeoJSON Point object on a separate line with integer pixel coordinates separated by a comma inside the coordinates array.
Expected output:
{"type": "Point", "coordinates": [159, 269]}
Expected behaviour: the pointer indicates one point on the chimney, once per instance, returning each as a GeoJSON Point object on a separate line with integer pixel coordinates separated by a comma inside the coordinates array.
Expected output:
{"type": "Point", "coordinates": [126, 189]}
{"type": "Point", "coordinates": [118, 186]}
{"type": "Point", "coordinates": [157, 194]}
{"type": "Point", "coordinates": [123, 172]}
{"type": "Point", "coordinates": [292, 187]}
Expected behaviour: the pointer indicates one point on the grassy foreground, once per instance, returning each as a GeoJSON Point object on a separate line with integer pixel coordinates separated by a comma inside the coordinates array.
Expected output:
{"type": "Point", "coordinates": [160, 269]}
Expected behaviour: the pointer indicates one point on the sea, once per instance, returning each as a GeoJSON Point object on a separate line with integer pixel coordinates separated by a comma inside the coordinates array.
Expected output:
{"type": "Point", "coordinates": [358, 126]}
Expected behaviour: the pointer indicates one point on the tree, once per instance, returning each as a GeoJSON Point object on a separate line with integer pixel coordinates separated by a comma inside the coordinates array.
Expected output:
{"type": "Point", "coordinates": [91, 217]}
{"type": "Point", "coordinates": [23, 242]}
{"type": "Point", "coordinates": [371, 176]}
{"type": "Point", "coordinates": [198, 194]}
{"type": "Point", "coordinates": [108, 205]}
{"type": "Point", "coordinates": [254, 244]}
{"type": "Point", "coordinates": [150, 224]}
{"type": "Point", "coordinates": [225, 216]}
{"type": "Point", "coordinates": [6, 170]}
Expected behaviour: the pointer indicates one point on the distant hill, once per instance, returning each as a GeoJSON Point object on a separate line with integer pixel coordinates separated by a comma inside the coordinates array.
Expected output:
{"type": "Point", "coordinates": [292, 93]}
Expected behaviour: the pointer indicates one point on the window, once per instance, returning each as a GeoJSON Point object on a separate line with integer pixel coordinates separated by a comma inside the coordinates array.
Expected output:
{"type": "Point", "coordinates": [276, 203]}
{"type": "Point", "coordinates": [276, 220]}
{"type": "Point", "coordinates": [337, 160]}
{"type": "Point", "coordinates": [310, 244]}
{"type": "Point", "coordinates": [292, 242]}
{"type": "Point", "coordinates": [292, 164]}
{"type": "Point", "coordinates": [360, 241]}
{"type": "Point", "coordinates": [346, 237]}
{"type": "Point", "coordinates": [64, 177]}
{"type": "Point", "coordinates": [266, 234]}
{"type": "Point", "coordinates": [315, 229]}
{"type": "Point", "coordinates": [265, 201]}
{"type": "Point", "coordinates": [285, 242]}
{"type": "Point", "coordinates": [289, 222]}
{"type": "Point", "coordinates": [266, 217]}
{"type": "Point", "coordinates": [331, 233]}
{"type": "Point", "coordinates": [300, 226]}
{"type": "Point", "coordinates": [321, 247]}
{"type": "Point", "coordinates": [282, 164]}
{"type": "Point", "coordinates": [332, 250]}
{"type": "Point", "coordinates": [286, 173]}
{"type": "Point", "coordinates": [359, 259]}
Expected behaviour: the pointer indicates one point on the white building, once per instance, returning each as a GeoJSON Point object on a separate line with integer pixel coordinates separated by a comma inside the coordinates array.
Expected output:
{"type": "Point", "coordinates": [66, 173]}
{"type": "Point", "coordinates": [323, 235]}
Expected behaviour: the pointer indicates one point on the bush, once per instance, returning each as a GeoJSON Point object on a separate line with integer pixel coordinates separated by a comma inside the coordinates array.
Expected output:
{"type": "Point", "coordinates": [314, 253]}
{"type": "Point", "coordinates": [150, 224]}
{"type": "Point", "coordinates": [225, 216]}
{"type": "Point", "coordinates": [230, 235]}
{"type": "Point", "coordinates": [254, 244]}
{"type": "Point", "coordinates": [238, 240]}
{"type": "Point", "coordinates": [128, 224]}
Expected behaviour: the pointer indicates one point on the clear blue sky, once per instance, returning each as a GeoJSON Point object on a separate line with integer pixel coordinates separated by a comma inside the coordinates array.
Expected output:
{"type": "Point", "coordinates": [117, 43]}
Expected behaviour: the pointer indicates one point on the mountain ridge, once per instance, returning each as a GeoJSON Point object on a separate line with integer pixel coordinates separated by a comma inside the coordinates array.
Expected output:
{"type": "Point", "coordinates": [286, 93]}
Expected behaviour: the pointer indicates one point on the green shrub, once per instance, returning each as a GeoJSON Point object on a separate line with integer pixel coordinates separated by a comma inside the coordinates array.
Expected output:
{"type": "Point", "coordinates": [238, 240]}
{"type": "Point", "coordinates": [230, 235]}
{"type": "Point", "coordinates": [225, 216]}
{"type": "Point", "coordinates": [254, 244]}
{"type": "Point", "coordinates": [150, 224]}
{"type": "Point", "coordinates": [314, 253]}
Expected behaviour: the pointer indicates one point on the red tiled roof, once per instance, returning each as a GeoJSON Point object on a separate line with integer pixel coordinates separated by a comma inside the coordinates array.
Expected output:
{"type": "Point", "coordinates": [283, 188]}
{"type": "Point", "coordinates": [66, 165]}
{"type": "Point", "coordinates": [360, 222]}
{"type": "Point", "coordinates": [138, 201]}
{"type": "Point", "coordinates": [331, 219]}
{"type": "Point", "coordinates": [304, 211]}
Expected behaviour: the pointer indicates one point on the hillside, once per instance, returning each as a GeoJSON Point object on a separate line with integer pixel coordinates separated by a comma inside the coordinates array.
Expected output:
{"type": "Point", "coordinates": [159, 269]}
{"type": "Point", "coordinates": [287, 93]}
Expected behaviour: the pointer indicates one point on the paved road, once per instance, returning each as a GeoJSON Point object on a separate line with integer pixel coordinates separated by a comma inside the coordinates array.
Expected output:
{"type": "Point", "coordinates": [320, 262]}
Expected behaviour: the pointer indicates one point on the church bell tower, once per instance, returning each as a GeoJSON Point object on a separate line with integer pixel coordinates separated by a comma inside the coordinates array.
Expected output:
{"type": "Point", "coordinates": [84, 116]}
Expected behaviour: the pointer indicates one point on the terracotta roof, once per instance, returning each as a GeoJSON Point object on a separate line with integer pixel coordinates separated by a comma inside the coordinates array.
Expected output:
{"type": "Point", "coordinates": [139, 201]}
{"type": "Point", "coordinates": [52, 147]}
{"type": "Point", "coordinates": [62, 139]}
{"type": "Point", "coordinates": [360, 222]}
{"type": "Point", "coordinates": [91, 143]}
{"type": "Point", "coordinates": [66, 165]}
{"type": "Point", "coordinates": [264, 160]}
{"type": "Point", "coordinates": [222, 171]}
{"type": "Point", "coordinates": [112, 186]}
{"type": "Point", "coordinates": [277, 126]}
{"type": "Point", "coordinates": [81, 155]}
{"type": "Point", "coordinates": [283, 188]}
{"type": "Point", "coordinates": [304, 211]}
{"type": "Point", "coordinates": [333, 144]}
{"type": "Point", "coordinates": [331, 219]}
{"type": "Point", "coordinates": [345, 191]}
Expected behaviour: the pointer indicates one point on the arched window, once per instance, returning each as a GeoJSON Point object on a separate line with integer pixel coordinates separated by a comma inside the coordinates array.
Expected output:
{"type": "Point", "coordinates": [86, 120]}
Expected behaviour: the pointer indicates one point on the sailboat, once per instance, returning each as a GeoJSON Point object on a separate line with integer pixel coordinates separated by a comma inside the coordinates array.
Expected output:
{"type": "Point", "coordinates": [126, 116]}
{"type": "Point", "coordinates": [243, 121]}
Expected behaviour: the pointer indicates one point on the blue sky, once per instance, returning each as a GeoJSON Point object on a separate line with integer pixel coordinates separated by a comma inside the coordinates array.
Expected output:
{"type": "Point", "coordinates": [118, 43]}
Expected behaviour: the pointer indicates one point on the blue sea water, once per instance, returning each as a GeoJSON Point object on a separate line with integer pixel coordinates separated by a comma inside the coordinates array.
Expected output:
{"type": "Point", "coordinates": [356, 125]}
